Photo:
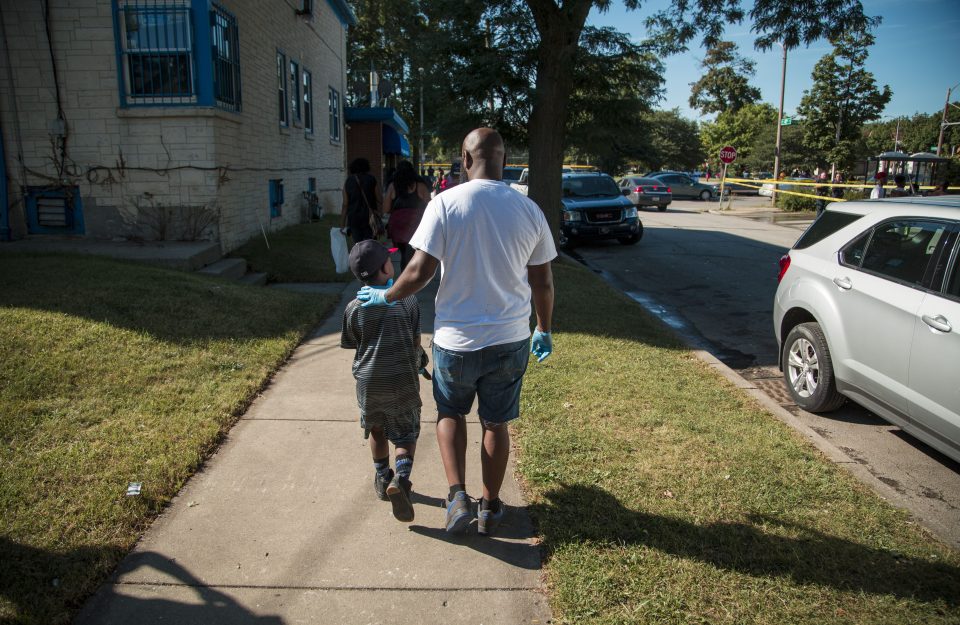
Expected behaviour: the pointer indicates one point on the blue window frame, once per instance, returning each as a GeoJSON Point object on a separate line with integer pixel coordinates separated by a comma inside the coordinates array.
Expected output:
{"type": "Point", "coordinates": [276, 197]}
{"type": "Point", "coordinates": [282, 88]}
{"type": "Point", "coordinates": [334, 104]}
{"type": "Point", "coordinates": [168, 56]}
{"type": "Point", "coordinates": [226, 59]}
{"type": "Point", "coordinates": [156, 46]}
{"type": "Point", "coordinates": [307, 102]}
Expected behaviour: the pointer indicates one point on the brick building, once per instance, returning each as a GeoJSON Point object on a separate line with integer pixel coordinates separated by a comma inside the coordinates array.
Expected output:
{"type": "Point", "coordinates": [170, 119]}
{"type": "Point", "coordinates": [377, 134]}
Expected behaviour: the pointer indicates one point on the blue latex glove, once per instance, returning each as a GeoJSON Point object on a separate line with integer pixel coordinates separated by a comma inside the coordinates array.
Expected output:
{"type": "Point", "coordinates": [541, 345]}
{"type": "Point", "coordinates": [375, 295]}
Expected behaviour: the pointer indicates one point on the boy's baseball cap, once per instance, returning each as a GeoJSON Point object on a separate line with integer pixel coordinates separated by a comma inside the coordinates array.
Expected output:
{"type": "Point", "coordinates": [367, 257]}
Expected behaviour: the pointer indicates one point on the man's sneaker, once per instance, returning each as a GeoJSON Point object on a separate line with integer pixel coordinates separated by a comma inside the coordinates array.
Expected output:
{"type": "Point", "coordinates": [399, 493]}
{"type": "Point", "coordinates": [458, 513]}
{"type": "Point", "coordinates": [380, 484]}
{"type": "Point", "coordinates": [488, 520]}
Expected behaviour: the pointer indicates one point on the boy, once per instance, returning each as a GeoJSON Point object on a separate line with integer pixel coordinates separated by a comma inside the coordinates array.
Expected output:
{"type": "Point", "coordinates": [388, 357]}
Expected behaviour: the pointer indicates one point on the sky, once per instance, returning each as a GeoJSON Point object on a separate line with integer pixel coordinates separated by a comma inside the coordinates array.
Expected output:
{"type": "Point", "coordinates": [916, 53]}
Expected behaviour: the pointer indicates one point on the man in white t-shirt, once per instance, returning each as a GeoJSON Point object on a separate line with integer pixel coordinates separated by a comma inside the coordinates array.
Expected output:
{"type": "Point", "coordinates": [494, 248]}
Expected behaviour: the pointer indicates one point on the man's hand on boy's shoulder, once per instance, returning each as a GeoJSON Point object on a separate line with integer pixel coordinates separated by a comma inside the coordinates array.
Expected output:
{"type": "Point", "coordinates": [375, 295]}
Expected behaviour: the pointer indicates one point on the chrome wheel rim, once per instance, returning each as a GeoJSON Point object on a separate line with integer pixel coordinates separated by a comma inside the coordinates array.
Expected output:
{"type": "Point", "coordinates": [803, 368]}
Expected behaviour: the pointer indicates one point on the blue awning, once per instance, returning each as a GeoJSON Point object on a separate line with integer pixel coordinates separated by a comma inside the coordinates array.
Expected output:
{"type": "Point", "coordinates": [394, 142]}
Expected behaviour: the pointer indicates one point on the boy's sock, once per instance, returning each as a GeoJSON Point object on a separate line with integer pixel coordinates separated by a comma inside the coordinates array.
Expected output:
{"type": "Point", "coordinates": [456, 488]}
{"type": "Point", "coordinates": [382, 467]}
{"type": "Point", "coordinates": [492, 506]}
{"type": "Point", "coordinates": [404, 464]}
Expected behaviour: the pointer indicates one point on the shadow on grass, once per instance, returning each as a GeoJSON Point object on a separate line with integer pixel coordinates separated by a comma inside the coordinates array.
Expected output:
{"type": "Point", "coordinates": [572, 514]}
{"type": "Point", "coordinates": [168, 305]}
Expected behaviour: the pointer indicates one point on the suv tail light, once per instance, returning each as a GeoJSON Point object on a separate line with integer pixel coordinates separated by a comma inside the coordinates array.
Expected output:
{"type": "Point", "coordinates": [784, 265]}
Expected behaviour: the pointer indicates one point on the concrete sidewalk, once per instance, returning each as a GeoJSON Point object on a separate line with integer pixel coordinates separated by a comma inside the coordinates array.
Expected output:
{"type": "Point", "coordinates": [282, 525]}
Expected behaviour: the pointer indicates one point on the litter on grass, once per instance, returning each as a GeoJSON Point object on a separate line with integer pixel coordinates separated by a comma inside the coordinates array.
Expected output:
{"type": "Point", "coordinates": [133, 489]}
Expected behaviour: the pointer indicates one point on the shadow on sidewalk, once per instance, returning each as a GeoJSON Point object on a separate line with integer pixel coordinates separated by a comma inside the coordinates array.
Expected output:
{"type": "Point", "coordinates": [502, 545]}
{"type": "Point", "coordinates": [573, 514]}
{"type": "Point", "coordinates": [208, 606]}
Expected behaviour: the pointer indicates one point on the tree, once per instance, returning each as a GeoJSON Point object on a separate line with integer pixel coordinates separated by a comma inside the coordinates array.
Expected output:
{"type": "Point", "coordinates": [843, 97]}
{"type": "Point", "coordinates": [616, 81]}
{"type": "Point", "coordinates": [725, 84]}
{"type": "Point", "coordinates": [739, 128]}
{"type": "Point", "coordinates": [675, 141]}
{"type": "Point", "coordinates": [560, 24]}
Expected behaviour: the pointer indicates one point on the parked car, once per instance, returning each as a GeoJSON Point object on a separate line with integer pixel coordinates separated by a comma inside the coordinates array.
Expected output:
{"type": "Point", "coordinates": [521, 183]}
{"type": "Point", "coordinates": [868, 308]}
{"type": "Point", "coordinates": [646, 192]}
{"type": "Point", "coordinates": [683, 186]}
{"type": "Point", "coordinates": [594, 208]}
{"type": "Point", "coordinates": [512, 174]}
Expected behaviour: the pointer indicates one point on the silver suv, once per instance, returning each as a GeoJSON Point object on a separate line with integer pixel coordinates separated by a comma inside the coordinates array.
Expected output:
{"type": "Point", "coordinates": [868, 308]}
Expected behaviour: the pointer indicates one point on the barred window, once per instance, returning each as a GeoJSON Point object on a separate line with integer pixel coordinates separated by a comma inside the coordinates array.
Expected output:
{"type": "Point", "coordinates": [156, 52]}
{"type": "Point", "coordinates": [307, 101]}
{"type": "Point", "coordinates": [334, 103]}
{"type": "Point", "coordinates": [226, 59]}
{"type": "Point", "coordinates": [282, 87]}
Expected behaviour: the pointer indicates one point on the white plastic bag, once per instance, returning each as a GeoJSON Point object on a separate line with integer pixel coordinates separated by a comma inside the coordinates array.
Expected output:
{"type": "Point", "coordinates": [338, 247]}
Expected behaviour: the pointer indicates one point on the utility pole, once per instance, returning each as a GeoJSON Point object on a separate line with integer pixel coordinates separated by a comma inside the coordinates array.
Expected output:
{"type": "Point", "coordinates": [776, 151]}
{"type": "Point", "coordinates": [420, 70]}
{"type": "Point", "coordinates": [943, 121]}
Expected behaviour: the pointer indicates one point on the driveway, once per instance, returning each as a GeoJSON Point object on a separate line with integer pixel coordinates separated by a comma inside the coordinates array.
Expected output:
{"type": "Point", "coordinates": [712, 277]}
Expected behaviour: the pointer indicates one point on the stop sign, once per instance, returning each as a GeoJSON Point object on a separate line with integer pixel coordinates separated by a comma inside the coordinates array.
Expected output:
{"type": "Point", "coordinates": [728, 154]}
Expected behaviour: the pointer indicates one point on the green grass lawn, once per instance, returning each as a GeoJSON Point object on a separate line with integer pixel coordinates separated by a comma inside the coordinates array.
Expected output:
{"type": "Point", "coordinates": [298, 253]}
{"type": "Point", "coordinates": [664, 495]}
{"type": "Point", "coordinates": [112, 373]}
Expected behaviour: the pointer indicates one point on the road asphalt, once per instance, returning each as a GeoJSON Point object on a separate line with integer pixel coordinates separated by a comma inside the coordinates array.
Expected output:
{"type": "Point", "coordinates": [282, 525]}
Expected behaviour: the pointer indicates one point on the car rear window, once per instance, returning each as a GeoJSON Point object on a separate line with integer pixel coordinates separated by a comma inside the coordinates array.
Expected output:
{"type": "Point", "coordinates": [590, 186]}
{"type": "Point", "coordinates": [826, 224]}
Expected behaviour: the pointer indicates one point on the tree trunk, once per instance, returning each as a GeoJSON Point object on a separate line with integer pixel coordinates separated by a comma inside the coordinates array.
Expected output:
{"type": "Point", "coordinates": [559, 30]}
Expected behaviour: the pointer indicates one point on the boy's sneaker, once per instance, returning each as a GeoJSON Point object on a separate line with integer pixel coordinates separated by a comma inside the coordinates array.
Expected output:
{"type": "Point", "coordinates": [380, 484]}
{"type": "Point", "coordinates": [458, 513]}
{"type": "Point", "coordinates": [488, 520]}
{"type": "Point", "coordinates": [399, 494]}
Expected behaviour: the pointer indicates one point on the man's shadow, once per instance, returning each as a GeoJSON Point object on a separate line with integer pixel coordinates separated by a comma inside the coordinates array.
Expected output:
{"type": "Point", "coordinates": [575, 513]}
{"type": "Point", "coordinates": [26, 575]}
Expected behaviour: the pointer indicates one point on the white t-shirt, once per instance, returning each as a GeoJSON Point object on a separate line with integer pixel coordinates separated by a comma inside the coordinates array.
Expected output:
{"type": "Point", "coordinates": [878, 193]}
{"type": "Point", "coordinates": [484, 234]}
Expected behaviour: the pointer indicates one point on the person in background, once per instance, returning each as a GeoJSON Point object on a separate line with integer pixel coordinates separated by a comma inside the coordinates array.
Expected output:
{"type": "Point", "coordinates": [437, 183]}
{"type": "Point", "coordinates": [823, 190]}
{"type": "Point", "coordinates": [405, 200]}
{"type": "Point", "coordinates": [361, 196]}
{"type": "Point", "coordinates": [837, 192]}
{"type": "Point", "coordinates": [900, 190]}
{"type": "Point", "coordinates": [940, 189]}
{"type": "Point", "coordinates": [878, 191]}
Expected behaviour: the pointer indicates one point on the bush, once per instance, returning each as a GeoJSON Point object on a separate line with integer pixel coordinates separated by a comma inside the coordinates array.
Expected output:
{"type": "Point", "coordinates": [795, 203]}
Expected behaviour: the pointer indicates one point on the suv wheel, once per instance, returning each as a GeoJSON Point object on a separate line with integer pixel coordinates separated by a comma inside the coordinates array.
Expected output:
{"type": "Point", "coordinates": [808, 369]}
{"type": "Point", "coordinates": [566, 243]}
{"type": "Point", "coordinates": [705, 195]}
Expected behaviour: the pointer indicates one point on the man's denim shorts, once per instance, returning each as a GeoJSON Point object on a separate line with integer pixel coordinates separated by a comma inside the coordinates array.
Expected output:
{"type": "Point", "coordinates": [493, 374]}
